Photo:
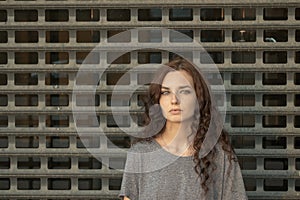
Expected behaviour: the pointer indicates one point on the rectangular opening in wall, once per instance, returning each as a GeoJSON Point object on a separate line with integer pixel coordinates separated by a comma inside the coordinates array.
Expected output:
{"type": "Point", "coordinates": [56, 78]}
{"type": "Point", "coordinates": [3, 121]}
{"type": "Point", "coordinates": [3, 100]}
{"type": "Point", "coordinates": [243, 142]}
{"type": "Point", "coordinates": [274, 121]}
{"type": "Point", "coordinates": [117, 163]}
{"type": "Point", "coordinates": [118, 142]}
{"type": "Point", "coordinates": [212, 36]}
{"type": "Point", "coordinates": [118, 121]}
{"type": "Point", "coordinates": [118, 14]}
{"type": "Point", "coordinates": [297, 13]}
{"type": "Point", "coordinates": [275, 35]}
{"type": "Point", "coordinates": [3, 141]}
{"type": "Point", "coordinates": [3, 36]}
{"type": "Point", "coordinates": [242, 100]}
{"type": "Point", "coordinates": [151, 36]}
{"type": "Point", "coordinates": [297, 121]}
{"type": "Point", "coordinates": [85, 15]}
{"type": "Point", "coordinates": [27, 142]}
{"type": "Point", "coordinates": [57, 100]}
{"type": "Point", "coordinates": [59, 163]}
{"type": "Point", "coordinates": [181, 14]}
{"type": "Point", "coordinates": [57, 121]}
{"type": "Point", "coordinates": [297, 35]}
{"type": "Point", "coordinates": [59, 184]}
{"type": "Point", "coordinates": [87, 100]}
{"type": "Point", "coordinates": [3, 58]}
{"type": "Point", "coordinates": [26, 36]}
{"type": "Point", "coordinates": [149, 57]}
{"type": "Point", "coordinates": [275, 185]}
{"type": "Point", "coordinates": [114, 183]}
{"type": "Point", "coordinates": [274, 79]}
{"type": "Point", "coordinates": [26, 121]}
{"type": "Point", "coordinates": [275, 13]}
{"type": "Point", "coordinates": [297, 100]}
{"type": "Point", "coordinates": [274, 142]}
{"type": "Point", "coordinates": [118, 58]}
{"type": "Point", "coordinates": [243, 14]}
{"type": "Point", "coordinates": [212, 57]}
{"type": "Point", "coordinates": [28, 183]}
{"type": "Point", "coordinates": [244, 35]}
{"type": "Point", "coordinates": [26, 78]}
{"type": "Point", "coordinates": [92, 141]}
{"type": "Point", "coordinates": [26, 100]}
{"type": "Point", "coordinates": [57, 36]}
{"type": "Point", "coordinates": [239, 57]}
{"type": "Point", "coordinates": [185, 54]}
{"type": "Point", "coordinates": [4, 183]}
{"type": "Point", "coordinates": [89, 163]}
{"type": "Point", "coordinates": [57, 57]}
{"type": "Point", "coordinates": [297, 57]}
{"type": "Point", "coordinates": [243, 120]}
{"type": "Point", "coordinates": [57, 15]}
{"type": "Point", "coordinates": [250, 184]}
{"type": "Point", "coordinates": [3, 15]}
{"type": "Point", "coordinates": [88, 36]}
{"type": "Point", "coordinates": [152, 14]}
{"type": "Point", "coordinates": [297, 142]}
{"type": "Point", "coordinates": [26, 15]}
{"type": "Point", "coordinates": [275, 163]}
{"type": "Point", "coordinates": [26, 58]}
{"type": "Point", "coordinates": [118, 36]}
{"type": "Point", "coordinates": [57, 142]}
{"type": "Point", "coordinates": [28, 163]}
{"type": "Point", "coordinates": [3, 79]}
{"type": "Point", "coordinates": [144, 78]}
{"type": "Point", "coordinates": [87, 78]}
{"type": "Point", "coordinates": [87, 121]}
{"type": "Point", "coordinates": [4, 163]}
{"type": "Point", "coordinates": [247, 163]}
{"type": "Point", "coordinates": [87, 57]}
{"type": "Point", "coordinates": [274, 100]}
{"type": "Point", "coordinates": [297, 162]}
{"type": "Point", "coordinates": [297, 184]}
{"type": "Point", "coordinates": [89, 184]}
{"type": "Point", "coordinates": [118, 100]}
{"type": "Point", "coordinates": [212, 14]}
{"type": "Point", "coordinates": [275, 57]}
{"type": "Point", "coordinates": [181, 36]}
{"type": "Point", "coordinates": [117, 79]}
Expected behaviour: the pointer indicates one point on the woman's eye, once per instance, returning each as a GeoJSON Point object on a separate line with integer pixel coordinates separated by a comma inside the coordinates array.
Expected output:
{"type": "Point", "coordinates": [185, 92]}
{"type": "Point", "coordinates": [164, 92]}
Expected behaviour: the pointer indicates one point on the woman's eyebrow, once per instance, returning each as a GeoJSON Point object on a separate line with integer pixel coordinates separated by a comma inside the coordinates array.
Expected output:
{"type": "Point", "coordinates": [185, 86]}
{"type": "Point", "coordinates": [180, 87]}
{"type": "Point", "coordinates": [164, 87]}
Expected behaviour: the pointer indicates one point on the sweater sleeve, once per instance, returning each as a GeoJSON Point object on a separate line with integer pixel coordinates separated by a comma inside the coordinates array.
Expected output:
{"type": "Point", "coordinates": [130, 182]}
{"type": "Point", "coordinates": [233, 184]}
{"type": "Point", "coordinates": [129, 187]}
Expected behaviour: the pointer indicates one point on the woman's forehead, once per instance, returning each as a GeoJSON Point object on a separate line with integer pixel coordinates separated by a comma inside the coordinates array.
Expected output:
{"type": "Point", "coordinates": [176, 79]}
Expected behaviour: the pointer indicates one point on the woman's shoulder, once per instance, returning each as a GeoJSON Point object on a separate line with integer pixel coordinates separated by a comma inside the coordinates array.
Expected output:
{"type": "Point", "coordinates": [144, 146]}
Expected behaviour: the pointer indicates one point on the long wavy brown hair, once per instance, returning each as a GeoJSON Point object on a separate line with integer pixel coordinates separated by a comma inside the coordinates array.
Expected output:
{"type": "Point", "coordinates": [203, 165]}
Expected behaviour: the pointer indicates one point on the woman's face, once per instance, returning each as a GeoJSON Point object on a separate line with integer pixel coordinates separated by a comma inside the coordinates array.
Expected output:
{"type": "Point", "coordinates": [178, 98]}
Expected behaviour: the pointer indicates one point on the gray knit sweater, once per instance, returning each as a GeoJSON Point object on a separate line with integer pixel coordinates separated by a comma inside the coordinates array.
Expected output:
{"type": "Point", "coordinates": [153, 173]}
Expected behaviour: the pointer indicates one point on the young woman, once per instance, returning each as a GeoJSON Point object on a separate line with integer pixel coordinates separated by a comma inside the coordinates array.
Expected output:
{"type": "Point", "coordinates": [166, 163]}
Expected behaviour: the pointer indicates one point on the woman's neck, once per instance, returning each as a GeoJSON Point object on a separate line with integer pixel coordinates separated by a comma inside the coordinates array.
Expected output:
{"type": "Point", "coordinates": [176, 138]}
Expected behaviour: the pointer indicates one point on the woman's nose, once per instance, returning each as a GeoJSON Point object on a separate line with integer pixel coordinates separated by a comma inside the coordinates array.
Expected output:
{"type": "Point", "coordinates": [174, 99]}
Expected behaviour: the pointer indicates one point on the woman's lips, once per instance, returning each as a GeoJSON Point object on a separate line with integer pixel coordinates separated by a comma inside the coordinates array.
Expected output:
{"type": "Point", "coordinates": [175, 111]}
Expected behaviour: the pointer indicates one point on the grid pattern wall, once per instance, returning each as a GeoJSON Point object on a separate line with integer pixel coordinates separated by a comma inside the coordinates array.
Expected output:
{"type": "Point", "coordinates": [43, 43]}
